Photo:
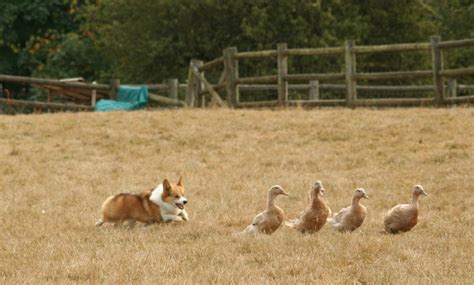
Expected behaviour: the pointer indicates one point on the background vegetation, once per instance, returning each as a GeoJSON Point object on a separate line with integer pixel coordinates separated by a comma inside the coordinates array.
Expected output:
{"type": "Point", "coordinates": [150, 40]}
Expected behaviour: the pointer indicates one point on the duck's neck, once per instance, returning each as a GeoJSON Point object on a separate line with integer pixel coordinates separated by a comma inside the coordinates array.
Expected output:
{"type": "Point", "coordinates": [316, 199]}
{"type": "Point", "coordinates": [355, 201]}
{"type": "Point", "coordinates": [414, 200]}
{"type": "Point", "coordinates": [270, 201]}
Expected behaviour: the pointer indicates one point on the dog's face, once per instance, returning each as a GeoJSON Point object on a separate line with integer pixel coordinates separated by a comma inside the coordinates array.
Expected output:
{"type": "Point", "coordinates": [173, 194]}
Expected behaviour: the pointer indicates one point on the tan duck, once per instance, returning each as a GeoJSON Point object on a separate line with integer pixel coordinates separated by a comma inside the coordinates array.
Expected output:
{"type": "Point", "coordinates": [350, 218]}
{"type": "Point", "coordinates": [404, 217]}
{"type": "Point", "coordinates": [315, 216]}
{"type": "Point", "coordinates": [269, 220]}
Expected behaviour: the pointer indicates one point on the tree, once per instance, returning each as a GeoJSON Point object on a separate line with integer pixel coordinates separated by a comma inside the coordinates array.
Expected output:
{"type": "Point", "coordinates": [455, 21]}
{"type": "Point", "coordinates": [151, 40]}
{"type": "Point", "coordinates": [26, 25]}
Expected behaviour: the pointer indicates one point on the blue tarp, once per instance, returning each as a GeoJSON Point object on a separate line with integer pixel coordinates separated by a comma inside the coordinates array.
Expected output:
{"type": "Point", "coordinates": [128, 98]}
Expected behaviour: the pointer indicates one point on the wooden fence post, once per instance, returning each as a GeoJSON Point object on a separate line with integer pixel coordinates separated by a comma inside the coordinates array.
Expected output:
{"type": "Point", "coordinates": [197, 84]}
{"type": "Point", "coordinates": [50, 95]}
{"type": "Point", "coordinates": [350, 63]}
{"type": "Point", "coordinates": [50, 98]}
{"type": "Point", "coordinates": [114, 87]}
{"type": "Point", "coordinates": [437, 65]}
{"type": "Point", "coordinates": [452, 88]}
{"type": "Point", "coordinates": [231, 71]}
{"type": "Point", "coordinates": [93, 96]}
{"type": "Point", "coordinates": [190, 96]}
{"type": "Point", "coordinates": [237, 92]}
{"type": "Point", "coordinates": [282, 62]}
{"type": "Point", "coordinates": [314, 90]}
{"type": "Point", "coordinates": [173, 88]}
{"type": "Point", "coordinates": [203, 83]}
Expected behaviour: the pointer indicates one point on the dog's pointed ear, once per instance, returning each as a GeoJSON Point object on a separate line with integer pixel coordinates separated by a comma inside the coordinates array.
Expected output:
{"type": "Point", "coordinates": [166, 185]}
{"type": "Point", "coordinates": [180, 181]}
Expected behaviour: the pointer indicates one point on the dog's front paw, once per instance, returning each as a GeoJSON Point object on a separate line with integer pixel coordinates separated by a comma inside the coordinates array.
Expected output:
{"type": "Point", "coordinates": [184, 215]}
{"type": "Point", "coordinates": [171, 218]}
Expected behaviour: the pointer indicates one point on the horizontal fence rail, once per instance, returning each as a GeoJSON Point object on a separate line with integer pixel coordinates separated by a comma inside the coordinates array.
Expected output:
{"type": "Point", "coordinates": [52, 82]}
{"type": "Point", "coordinates": [211, 64]}
{"type": "Point", "coordinates": [418, 74]}
{"type": "Point", "coordinates": [457, 44]}
{"type": "Point", "coordinates": [256, 54]}
{"type": "Point", "coordinates": [314, 51]}
{"type": "Point", "coordinates": [402, 88]}
{"type": "Point", "coordinates": [35, 104]}
{"type": "Point", "coordinates": [457, 72]}
{"type": "Point", "coordinates": [314, 76]}
{"type": "Point", "coordinates": [392, 48]}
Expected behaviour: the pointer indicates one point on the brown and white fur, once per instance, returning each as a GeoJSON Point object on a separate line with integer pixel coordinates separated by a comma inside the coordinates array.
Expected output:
{"type": "Point", "coordinates": [165, 203]}
{"type": "Point", "coordinates": [404, 217]}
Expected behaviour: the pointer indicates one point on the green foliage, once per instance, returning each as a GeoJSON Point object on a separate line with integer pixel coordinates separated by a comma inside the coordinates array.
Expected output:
{"type": "Point", "coordinates": [151, 40]}
{"type": "Point", "coordinates": [396, 22]}
{"type": "Point", "coordinates": [71, 55]}
{"type": "Point", "coordinates": [456, 22]}
{"type": "Point", "coordinates": [24, 21]}
{"type": "Point", "coordinates": [45, 39]}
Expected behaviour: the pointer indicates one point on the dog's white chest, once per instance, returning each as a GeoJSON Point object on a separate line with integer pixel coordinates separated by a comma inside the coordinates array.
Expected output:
{"type": "Point", "coordinates": [168, 211]}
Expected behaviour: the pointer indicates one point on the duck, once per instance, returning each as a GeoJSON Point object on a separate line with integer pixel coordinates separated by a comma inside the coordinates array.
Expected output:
{"type": "Point", "coordinates": [350, 218]}
{"type": "Point", "coordinates": [268, 221]}
{"type": "Point", "coordinates": [314, 217]}
{"type": "Point", "coordinates": [404, 217]}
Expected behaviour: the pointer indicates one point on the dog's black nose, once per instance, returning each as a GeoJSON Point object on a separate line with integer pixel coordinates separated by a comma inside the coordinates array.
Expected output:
{"type": "Point", "coordinates": [185, 202]}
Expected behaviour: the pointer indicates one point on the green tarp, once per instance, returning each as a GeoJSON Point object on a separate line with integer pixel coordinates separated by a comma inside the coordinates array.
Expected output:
{"type": "Point", "coordinates": [128, 98]}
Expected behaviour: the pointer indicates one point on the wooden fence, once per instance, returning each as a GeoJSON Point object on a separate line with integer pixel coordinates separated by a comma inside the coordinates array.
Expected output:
{"type": "Point", "coordinates": [200, 92]}
{"type": "Point", "coordinates": [231, 83]}
{"type": "Point", "coordinates": [83, 95]}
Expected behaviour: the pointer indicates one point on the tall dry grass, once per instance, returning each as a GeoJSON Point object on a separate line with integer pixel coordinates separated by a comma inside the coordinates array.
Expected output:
{"type": "Point", "coordinates": [57, 169]}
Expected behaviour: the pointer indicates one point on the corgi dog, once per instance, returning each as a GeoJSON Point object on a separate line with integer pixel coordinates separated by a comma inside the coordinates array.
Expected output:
{"type": "Point", "coordinates": [165, 203]}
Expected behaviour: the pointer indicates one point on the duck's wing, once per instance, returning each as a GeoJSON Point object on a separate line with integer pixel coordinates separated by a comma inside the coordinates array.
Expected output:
{"type": "Point", "coordinates": [398, 212]}
{"type": "Point", "coordinates": [254, 226]}
{"type": "Point", "coordinates": [294, 222]}
{"type": "Point", "coordinates": [337, 218]}
{"type": "Point", "coordinates": [258, 219]}
{"type": "Point", "coordinates": [401, 216]}
{"type": "Point", "coordinates": [272, 222]}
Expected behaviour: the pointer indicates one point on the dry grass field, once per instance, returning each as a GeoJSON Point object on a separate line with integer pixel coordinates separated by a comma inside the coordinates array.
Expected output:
{"type": "Point", "coordinates": [56, 170]}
